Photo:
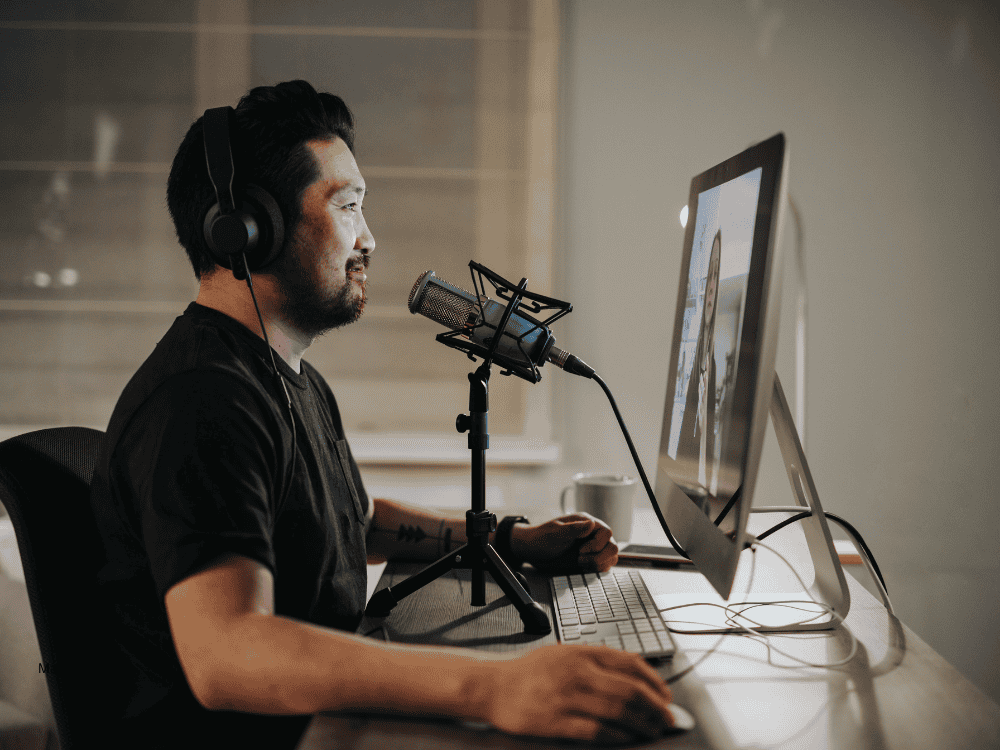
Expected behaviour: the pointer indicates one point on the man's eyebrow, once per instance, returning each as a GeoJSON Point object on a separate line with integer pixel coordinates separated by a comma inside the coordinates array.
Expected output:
{"type": "Point", "coordinates": [350, 188]}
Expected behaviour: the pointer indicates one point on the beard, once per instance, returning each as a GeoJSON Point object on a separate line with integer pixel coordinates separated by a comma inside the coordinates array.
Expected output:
{"type": "Point", "coordinates": [307, 304]}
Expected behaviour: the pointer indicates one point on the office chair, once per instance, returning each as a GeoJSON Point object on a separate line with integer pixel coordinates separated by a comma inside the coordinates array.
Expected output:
{"type": "Point", "coordinates": [45, 486]}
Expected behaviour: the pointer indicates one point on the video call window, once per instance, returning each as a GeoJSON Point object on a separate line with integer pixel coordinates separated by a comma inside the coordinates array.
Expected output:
{"type": "Point", "coordinates": [704, 442]}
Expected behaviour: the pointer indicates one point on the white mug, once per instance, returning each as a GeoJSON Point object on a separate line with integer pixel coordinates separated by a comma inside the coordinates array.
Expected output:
{"type": "Point", "coordinates": [604, 496]}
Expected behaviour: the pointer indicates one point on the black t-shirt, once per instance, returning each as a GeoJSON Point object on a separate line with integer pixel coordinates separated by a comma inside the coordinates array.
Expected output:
{"type": "Point", "coordinates": [202, 458]}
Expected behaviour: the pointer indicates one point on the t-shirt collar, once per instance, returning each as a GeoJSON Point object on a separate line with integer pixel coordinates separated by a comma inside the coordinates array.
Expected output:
{"type": "Point", "coordinates": [255, 342]}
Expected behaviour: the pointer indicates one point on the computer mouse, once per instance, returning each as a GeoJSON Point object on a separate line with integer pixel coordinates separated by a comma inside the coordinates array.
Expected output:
{"type": "Point", "coordinates": [683, 720]}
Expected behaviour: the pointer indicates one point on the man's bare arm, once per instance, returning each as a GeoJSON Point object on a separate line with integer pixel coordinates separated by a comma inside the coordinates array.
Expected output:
{"type": "Point", "coordinates": [400, 531]}
{"type": "Point", "coordinates": [238, 655]}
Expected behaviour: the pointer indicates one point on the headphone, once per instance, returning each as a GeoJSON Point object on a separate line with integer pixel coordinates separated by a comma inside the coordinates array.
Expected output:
{"type": "Point", "coordinates": [253, 232]}
{"type": "Point", "coordinates": [253, 228]}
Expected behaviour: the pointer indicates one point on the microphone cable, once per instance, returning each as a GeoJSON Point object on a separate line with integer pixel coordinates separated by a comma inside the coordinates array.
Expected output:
{"type": "Point", "coordinates": [635, 456]}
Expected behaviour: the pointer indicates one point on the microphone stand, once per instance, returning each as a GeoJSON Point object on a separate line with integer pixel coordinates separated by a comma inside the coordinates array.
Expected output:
{"type": "Point", "coordinates": [477, 553]}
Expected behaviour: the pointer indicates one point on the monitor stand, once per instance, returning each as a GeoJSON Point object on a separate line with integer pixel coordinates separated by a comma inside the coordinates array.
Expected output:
{"type": "Point", "coordinates": [829, 586]}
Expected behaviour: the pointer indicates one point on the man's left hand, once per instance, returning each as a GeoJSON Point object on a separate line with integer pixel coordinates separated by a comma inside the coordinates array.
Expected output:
{"type": "Point", "coordinates": [573, 543]}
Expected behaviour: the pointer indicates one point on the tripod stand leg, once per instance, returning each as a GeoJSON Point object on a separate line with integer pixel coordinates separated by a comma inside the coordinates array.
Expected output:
{"type": "Point", "coordinates": [532, 614]}
{"type": "Point", "coordinates": [382, 602]}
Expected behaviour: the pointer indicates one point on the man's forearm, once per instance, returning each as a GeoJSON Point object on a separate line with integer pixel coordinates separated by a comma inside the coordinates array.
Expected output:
{"type": "Point", "coordinates": [401, 531]}
{"type": "Point", "coordinates": [277, 665]}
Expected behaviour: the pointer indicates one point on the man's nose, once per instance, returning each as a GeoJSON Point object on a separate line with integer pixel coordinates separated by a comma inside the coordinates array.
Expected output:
{"type": "Point", "coordinates": [365, 241]}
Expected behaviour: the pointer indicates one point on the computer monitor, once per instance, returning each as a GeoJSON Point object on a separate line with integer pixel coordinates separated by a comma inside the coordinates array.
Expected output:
{"type": "Point", "coordinates": [721, 372]}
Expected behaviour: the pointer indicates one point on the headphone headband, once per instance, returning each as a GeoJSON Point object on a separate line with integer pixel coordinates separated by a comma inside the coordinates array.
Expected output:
{"type": "Point", "coordinates": [216, 125]}
{"type": "Point", "coordinates": [238, 225]}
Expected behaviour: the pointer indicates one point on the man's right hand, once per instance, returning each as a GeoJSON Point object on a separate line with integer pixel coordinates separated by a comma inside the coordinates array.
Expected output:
{"type": "Point", "coordinates": [580, 692]}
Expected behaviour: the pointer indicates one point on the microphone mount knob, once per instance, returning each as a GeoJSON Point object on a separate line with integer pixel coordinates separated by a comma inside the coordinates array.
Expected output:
{"type": "Point", "coordinates": [463, 422]}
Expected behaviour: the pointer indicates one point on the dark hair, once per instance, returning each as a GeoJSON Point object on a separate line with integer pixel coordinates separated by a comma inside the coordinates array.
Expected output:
{"type": "Point", "coordinates": [272, 126]}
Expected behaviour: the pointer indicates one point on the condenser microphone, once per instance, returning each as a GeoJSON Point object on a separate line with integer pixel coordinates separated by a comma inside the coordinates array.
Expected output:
{"type": "Point", "coordinates": [525, 341]}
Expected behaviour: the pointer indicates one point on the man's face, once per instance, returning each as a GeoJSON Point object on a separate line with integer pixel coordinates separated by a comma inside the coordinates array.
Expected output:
{"type": "Point", "coordinates": [322, 271]}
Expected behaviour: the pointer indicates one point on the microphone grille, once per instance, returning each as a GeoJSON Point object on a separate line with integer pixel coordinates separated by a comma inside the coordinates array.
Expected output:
{"type": "Point", "coordinates": [449, 306]}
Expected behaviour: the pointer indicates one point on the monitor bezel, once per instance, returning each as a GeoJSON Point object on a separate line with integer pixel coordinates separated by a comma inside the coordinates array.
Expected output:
{"type": "Point", "coordinates": [716, 554]}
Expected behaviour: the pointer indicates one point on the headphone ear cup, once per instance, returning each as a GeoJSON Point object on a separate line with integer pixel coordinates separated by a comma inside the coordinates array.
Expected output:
{"type": "Point", "coordinates": [271, 223]}
{"type": "Point", "coordinates": [229, 237]}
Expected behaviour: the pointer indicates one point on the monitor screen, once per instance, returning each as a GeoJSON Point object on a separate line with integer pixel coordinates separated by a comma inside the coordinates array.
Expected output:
{"type": "Point", "coordinates": [722, 357]}
{"type": "Point", "coordinates": [701, 417]}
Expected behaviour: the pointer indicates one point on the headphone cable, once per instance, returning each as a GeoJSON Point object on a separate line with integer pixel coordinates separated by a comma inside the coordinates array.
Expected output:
{"type": "Point", "coordinates": [278, 375]}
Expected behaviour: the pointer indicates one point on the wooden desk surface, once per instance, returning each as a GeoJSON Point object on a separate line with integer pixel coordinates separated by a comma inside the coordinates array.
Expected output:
{"type": "Point", "coordinates": [896, 693]}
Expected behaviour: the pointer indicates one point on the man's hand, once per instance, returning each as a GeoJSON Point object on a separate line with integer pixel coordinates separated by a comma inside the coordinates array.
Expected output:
{"type": "Point", "coordinates": [589, 693]}
{"type": "Point", "coordinates": [571, 543]}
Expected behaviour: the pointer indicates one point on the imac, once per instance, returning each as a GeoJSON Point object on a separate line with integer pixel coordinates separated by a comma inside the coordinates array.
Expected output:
{"type": "Point", "coordinates": [721, 383]}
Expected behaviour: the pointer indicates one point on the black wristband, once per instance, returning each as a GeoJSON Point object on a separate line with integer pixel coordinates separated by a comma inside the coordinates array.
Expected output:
{"type": "Point", "coordinates": [501, 542]}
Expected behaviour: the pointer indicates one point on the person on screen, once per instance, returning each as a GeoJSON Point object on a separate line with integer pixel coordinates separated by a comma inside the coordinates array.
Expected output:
{"type": "Point", "coordinates": [698, 424]}
{"type": "Point", "coordinates": [234, 517]}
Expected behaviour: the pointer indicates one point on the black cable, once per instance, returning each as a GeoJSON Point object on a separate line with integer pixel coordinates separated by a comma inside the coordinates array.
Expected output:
{"type": "Point", "coordinates": [652, 497]}
{"type": "Point", "coordinates": [844, 524]}
{"type": "Point", "coordinates": [729, 506]}
{"type": "Point", "coordinates": [263, 330]}
{"type": "Point", "coordinates": [281, 381]}
{"type": "Point", "coordinates": [860, 540]}
{"type": "Point", "coordinates": [635, 457]}
{"type": "Point", "coordinates": [788, 521]}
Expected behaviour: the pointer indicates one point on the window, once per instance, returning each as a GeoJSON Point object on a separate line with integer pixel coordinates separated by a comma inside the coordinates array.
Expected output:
{"type": "Point", "coordinates": [455, 105]}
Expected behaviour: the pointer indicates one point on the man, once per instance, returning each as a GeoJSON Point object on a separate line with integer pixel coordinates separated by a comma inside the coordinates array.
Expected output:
{"type": "Point", "coordinates": [236, 523]}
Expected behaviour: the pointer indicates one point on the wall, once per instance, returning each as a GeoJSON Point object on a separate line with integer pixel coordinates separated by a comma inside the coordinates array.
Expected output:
{"type": "Point", "coordinates": [890, 111]}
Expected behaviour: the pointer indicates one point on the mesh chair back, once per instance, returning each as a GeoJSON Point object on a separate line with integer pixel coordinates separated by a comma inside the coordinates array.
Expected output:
{"type": "Point", "coordinates": [45, 486]}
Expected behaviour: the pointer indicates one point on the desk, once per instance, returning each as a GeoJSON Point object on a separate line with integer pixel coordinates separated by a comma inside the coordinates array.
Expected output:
{"type": "Point", "coordinates": [896, 693]}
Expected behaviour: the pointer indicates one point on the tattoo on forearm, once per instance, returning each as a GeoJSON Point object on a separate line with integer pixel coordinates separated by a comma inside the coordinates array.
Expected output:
{"type": "Point", "coordinates": [410, 534]}
{"type": "Point", "coordinates": [414, 534]}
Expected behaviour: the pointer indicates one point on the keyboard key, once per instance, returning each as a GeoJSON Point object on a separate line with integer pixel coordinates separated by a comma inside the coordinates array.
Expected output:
{"type": "Point", "coordinates": [632, 644]}
{"type": "Point", "coordinates": [588, 604]}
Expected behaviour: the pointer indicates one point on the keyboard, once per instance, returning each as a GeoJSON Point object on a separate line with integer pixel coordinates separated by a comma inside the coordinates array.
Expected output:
{"type": "Point", "coordinates": [613, 608]}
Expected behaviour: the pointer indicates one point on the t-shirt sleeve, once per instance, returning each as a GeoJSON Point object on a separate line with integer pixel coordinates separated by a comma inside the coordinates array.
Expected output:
{"type": "Point", "coordinates": [205, 453]}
